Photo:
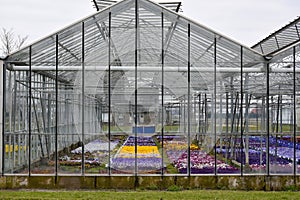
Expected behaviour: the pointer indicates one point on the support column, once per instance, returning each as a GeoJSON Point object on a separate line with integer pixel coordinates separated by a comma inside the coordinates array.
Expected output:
{"type": "Point", "coordinates": [241, 113]}
{"type": "Point", "coordinates": [83, 100]}
{"type": "Point", "coordinates": [189, 101]}
{"type": "Point", "coordinates": [136, 63]}
{"type": "Point", "coordinates": [1, 116]}
{"type": "Point", "coordinates": [214, 107]}
{"type": "Point", "coordinates": [268, 120]}
{"type": "Point", "coordinates": [162, 93]}
{"type": "Point", "coordinates": [109, 93]}
{"type": "Point", "coordinates": [295, 113]}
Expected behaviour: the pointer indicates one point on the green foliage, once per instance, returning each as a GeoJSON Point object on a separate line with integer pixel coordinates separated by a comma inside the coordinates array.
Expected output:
{"type": "Point", "coordinates": [170, 168]}
{"type": "Point", "coordinates": [174, 188]}
{"type": "Point", "coordinates": [171, 128]}
{"type": "Point", "coordinates": [291, 188]}
{"type": "Point", "coordinates": [152, 187]}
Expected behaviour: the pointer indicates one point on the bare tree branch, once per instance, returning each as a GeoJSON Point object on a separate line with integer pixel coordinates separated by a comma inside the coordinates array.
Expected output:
{"type": "Point", "coordinates": [10, 42]}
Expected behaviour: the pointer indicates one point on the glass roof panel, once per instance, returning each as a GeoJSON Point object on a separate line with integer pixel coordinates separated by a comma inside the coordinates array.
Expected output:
{"type": "Point", "coordinates": [123, 40]}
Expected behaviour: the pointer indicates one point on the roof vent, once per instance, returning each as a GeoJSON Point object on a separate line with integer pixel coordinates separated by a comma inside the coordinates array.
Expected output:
{"type": "Point", "coordinates": [102, 4]}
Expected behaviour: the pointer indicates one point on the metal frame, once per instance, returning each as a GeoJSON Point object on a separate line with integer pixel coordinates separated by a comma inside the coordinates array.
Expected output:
{"type": "Point", "coordinates": [102, 4]}
{"type": "Point", "coordinates": [87, 68]}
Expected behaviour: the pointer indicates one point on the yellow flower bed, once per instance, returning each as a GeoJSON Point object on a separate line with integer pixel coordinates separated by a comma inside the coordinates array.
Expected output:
{"type": "Point", "coordinates": [11, 148]}
{"type": "Point", "coordinates": [194, 147]}
{"type": "Point", "coordinates": [177, 145]}
{"type": "Point", "coordinates": [140, 150]}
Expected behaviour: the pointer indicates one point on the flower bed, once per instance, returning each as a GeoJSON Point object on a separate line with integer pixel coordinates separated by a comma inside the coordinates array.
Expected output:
{"type": "Point", "coordinates": [95, 154]}
{"type": "Point", "coordinates": [96, 145]}
{"type": "Point", "coordinates": [281, 154]}
{"type": "Point", "coordinates": [201, 162]}
{"type": "Point", "coordinates": [147, 156]}
{"type": "Point", "coordinates": [142, 152]}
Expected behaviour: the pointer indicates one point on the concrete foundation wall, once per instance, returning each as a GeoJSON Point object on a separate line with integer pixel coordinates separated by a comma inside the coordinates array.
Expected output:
{"type": "Point", "coordinates": [271, 183]}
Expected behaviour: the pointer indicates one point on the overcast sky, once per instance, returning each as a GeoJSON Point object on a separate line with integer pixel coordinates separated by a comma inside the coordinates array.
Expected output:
{"type": "Point", "coordinates": [246, 21]}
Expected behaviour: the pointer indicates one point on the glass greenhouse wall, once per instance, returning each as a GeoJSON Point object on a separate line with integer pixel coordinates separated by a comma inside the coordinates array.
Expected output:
{"type": "Point", "coordinates": [139, 89]}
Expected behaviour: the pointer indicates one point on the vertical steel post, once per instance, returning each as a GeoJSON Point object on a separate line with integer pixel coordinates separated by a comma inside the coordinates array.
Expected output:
{"type": "Point", "coordinates": [29, 115]}
{"type": "Point", "coordinates": [246, 122]}
{"type": "Point", "coordinates": [227, 124]}
{"type": "Point", "coordinates": [199, 122]}
{"type": "Point", "coordinates": [136, 88]}
{"type": "Point", "coordinates": [162, 93]}
{"type": "Point", "coordinates": [241, 113]}
{"type": "Point", "coordinates": [220, 117]}
{"type": "Point", "coordinates": [215, 105]}
{"type": "Point", "coordinates": [179, 115]}
{"type": "Point", "coordinates": [184, 114]}
{"type": "Point", "coordinates": [2, 110]}
{"type": "Point", "coordinates": [262, 129]}
{"type": "Point", "coordinates": [14, 108]}
{"type": "Point", "coordinates": [295, 111]}
{"type": "Point", "coordinates": [83, 100]}
{"type": "Point", "coordinates": [256, 107]}
{"type": "Point", "coordinates": [268, 119]}
{"type": "Point", "coordinates": [109, 92]}
{"type": "Point", "coordinates": [227, 113]}
{"type": "Point", "coordinates": [19, 124]}
{"type": "Point", "coordinates": [56, 106]}
{"type": "Point", "coordinates": [189, 101]}
{"type": "Point", "coordinates": [49, 129]}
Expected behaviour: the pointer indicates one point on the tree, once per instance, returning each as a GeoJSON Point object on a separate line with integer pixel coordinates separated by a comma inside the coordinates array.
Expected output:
{"type": "Point", "coordinates": [10, 42]}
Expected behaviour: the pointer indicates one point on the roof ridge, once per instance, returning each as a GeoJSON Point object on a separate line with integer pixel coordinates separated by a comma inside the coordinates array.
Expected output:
{"type": "Point", "coordinates": [102, 4]}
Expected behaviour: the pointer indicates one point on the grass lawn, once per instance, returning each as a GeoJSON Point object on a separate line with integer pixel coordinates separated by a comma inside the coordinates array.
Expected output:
{"type": "Point", "coordinates": [160, 195]}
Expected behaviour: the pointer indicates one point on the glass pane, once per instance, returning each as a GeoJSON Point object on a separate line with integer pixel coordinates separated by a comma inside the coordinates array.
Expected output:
{"type": "Point", "coordinates": [43, 107]}
{"type": "Point", "coordinates": [281, 108]}
{"type": "Point", "coordinates": [176, 137]}
{"type": "Point", "coordinates": [228, 107]}
{"type": "Point", "coordinates": [149, 79]}
{"type": "Point", "coordinates": [98, 143]}
{"type": "Point", "coordinates": [122, 88]}
{"type": "Point", "coordinates": [254, 114]}
{"type": "Point", "coordinates": [16, 140]}
{"type": "Point", "coordinates": [69, 102]}
{"type": "Point", "coordinates": [201, 96]}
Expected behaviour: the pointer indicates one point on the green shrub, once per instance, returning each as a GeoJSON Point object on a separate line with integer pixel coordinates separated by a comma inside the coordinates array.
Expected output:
{"type": "Point", "coordinates": [152, 187]}
{"type": "Point", "coordinates": [292, 188]}
{"type": "Point", "coordinates": [174, 188]}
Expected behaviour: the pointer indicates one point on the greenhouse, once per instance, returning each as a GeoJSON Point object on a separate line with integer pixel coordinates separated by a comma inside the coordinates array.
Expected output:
{"type": "Point", "coordinates": [137, 89]}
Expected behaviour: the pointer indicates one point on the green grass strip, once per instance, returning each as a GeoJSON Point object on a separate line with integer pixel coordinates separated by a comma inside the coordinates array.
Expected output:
{"type": "Point", "coordinates": [145, 194]}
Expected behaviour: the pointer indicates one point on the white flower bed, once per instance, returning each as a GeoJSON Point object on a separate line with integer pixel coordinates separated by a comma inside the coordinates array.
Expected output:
{"type": "Point", "coordinates": [96, 145]}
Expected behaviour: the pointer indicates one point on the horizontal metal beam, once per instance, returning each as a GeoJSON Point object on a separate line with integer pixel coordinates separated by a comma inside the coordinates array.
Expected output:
{"type": "Point", "coordinates": [148, 69]}
{"type": "Point", "coordinates": [154, 69]}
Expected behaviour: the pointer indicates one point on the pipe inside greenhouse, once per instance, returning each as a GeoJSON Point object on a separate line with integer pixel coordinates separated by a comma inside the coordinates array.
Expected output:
{"type": "Point", "coordinates": [154, 69]}
{"type": "Point", "coordinates": [147, 69]}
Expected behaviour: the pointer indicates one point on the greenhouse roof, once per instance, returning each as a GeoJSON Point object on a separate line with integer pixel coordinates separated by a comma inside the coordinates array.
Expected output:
{"type": "Point", "coordinates": [123, 12]}
{"type": "Point", "coordinates": [283, 38]}
{"type": "Point", "coordinates": [184, 42]}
